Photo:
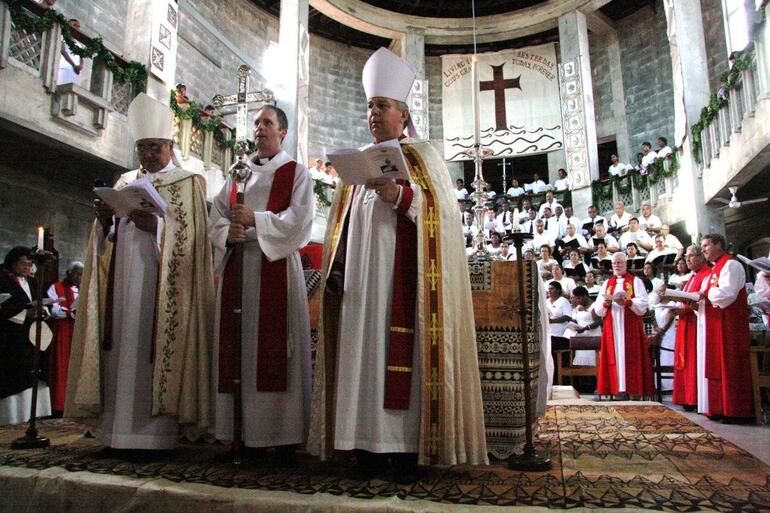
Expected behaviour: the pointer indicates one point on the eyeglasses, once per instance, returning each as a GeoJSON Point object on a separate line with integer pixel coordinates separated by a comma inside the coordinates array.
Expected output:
{"type": "Point", "coordinates": [149, 147]}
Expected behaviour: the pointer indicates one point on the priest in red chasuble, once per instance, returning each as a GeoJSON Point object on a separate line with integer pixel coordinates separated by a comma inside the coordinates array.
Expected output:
{"type": "Point", "coordinates": [142, 338]}
{"type": "Point", "coordinates": [624, 362]}
{"type": "Point", "coordinates": [273, 224]}
{"type": "Point", "coordinates": [690, 347]}
{"type": "Point", "coordinates": [727, 334]}
{"type": "Point", "coordinates": [396, 369]}
{"type": "Point", "coordinates": [65, 293]}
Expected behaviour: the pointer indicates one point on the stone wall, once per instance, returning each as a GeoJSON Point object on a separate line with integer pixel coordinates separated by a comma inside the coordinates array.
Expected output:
{"type": "Point", "coordinates": [214, 42]}
{"type": "Point", "coordinates": [337, 112]}
{"type": "Point", "coordinates": [99, 17]}
{"type": "Point", "coordinates": [716, 46]}
{"type": "Point", "coordinates": [646, 64]}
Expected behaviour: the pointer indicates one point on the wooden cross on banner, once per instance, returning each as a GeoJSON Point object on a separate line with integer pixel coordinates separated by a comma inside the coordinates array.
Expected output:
{"type": "Point", "coordinates": [242, 99]}
{"type": "Point", "coordinates": [498, 84]}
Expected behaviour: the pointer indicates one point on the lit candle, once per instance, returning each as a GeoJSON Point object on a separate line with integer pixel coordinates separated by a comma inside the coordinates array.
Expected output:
{"type": "Point", "coordinates": [515, 218]}
{"type": "Point", "coordinates": [476, 115]}
{"type": "Point", "coordinates": [40, 238]}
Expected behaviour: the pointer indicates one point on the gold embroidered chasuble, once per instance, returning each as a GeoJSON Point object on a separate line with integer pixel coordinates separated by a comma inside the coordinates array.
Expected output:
{"type": "Point", "coordinates": [183, 309]}
{"type": "Point", "coordinates": [451, 416]}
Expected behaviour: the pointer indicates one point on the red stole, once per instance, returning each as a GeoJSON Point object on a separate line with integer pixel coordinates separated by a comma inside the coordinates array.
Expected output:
{"type": "Point", "coordinates": [727, 351]}
{"type": "Point", "coordinates": [638, 366]}
{"type": "Point", "coordinates": [398, 367]}
{"type": "Point", "coordinates": [59, 356]}
{"type": "Point", "coordinates": [686, 347]}
{"type": "Point", "coordinates": [272, 332]}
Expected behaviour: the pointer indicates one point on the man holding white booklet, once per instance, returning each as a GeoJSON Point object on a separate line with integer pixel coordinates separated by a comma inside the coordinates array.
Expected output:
{"type": "Point", "coordinates": [141, 342]}
{"type": "Point", "coordinates": [396, 306]}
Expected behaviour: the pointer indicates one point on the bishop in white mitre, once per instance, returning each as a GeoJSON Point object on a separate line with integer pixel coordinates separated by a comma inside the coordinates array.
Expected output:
{"type": "Point", "coordinates": [141, 342]}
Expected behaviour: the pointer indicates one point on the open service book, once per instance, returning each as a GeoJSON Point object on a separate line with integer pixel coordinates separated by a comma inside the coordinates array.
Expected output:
{"type": "Point", "coordinates": [357, 165]}
{"type": "Point", "coordinates": [761, 263]}
{"type": "Point", "coordinates": [138, 195]}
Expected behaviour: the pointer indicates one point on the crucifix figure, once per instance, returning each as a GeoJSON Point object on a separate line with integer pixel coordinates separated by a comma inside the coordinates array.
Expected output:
{"type": "Point", "coordinates": [498, 84]}
{"type": "Point", "coordinates": [242, 99]}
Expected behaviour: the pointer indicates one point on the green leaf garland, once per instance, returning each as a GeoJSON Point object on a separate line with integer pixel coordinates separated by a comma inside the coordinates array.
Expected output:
{"type": "Point", "coordinates": [134, 73]}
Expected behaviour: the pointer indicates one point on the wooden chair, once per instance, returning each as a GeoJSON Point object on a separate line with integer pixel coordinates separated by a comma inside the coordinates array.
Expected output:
{"type": "Point", "coordinates": [577, 344]}
{"type": "Point", "coordinates": [659, 371]}
{"type": "Point", "coordinates": [759, 358]}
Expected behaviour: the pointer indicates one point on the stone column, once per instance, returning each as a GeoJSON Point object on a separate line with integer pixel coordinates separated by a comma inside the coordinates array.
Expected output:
{"type": "Point", "coordinates": [689, 58]}
{"type": "Point", "coordinates": [412, 48]}
{"type": "Point", "coordinates": [578, 107]}
{"type": "Point", "coordinates": [292, 94]}
{"type": "Point", "coordinates": [139, 26]}
{"type": "Point", "coordinates": [618, 99]}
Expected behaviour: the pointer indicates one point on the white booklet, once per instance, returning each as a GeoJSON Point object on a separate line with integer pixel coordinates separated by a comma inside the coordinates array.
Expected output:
{"type": "Point", "coordinates": [761, 263]}
{"type": "Point", "coordinates": [357, 165]}
{"type": "Point", "coordinates": [138, 195]}
{"type": "Point", "coordinates": [680, 294]}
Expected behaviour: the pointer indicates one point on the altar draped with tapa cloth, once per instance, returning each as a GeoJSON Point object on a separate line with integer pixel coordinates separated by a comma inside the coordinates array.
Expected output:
{"type": "Point", "coordinates": [498, 338]}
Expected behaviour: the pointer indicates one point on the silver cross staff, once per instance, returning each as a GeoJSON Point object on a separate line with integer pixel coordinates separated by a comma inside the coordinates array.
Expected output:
{"type": "Point", "coordinates": [241, 100]}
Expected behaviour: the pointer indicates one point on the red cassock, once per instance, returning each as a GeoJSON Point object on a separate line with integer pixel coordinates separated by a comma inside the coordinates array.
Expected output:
{"type": "Point", "coordinates": [59, 354]}
{"type": "Point", "coordinates": [686, 347]}
{"type": "Point", "coordinates": [727, 352]}
{"type": "Point", "coordinates": [637, 360]}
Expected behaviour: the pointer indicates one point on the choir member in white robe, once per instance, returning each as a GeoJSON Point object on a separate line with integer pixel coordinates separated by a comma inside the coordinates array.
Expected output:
{"type": "Point", "coordinates": [515, 190]}
{"type": "Point", "coordinates": [600, 233]}
{"type": "Point", "coordinates": [620, 218]}
{"type": "Point", "coordinates": [617, 168]}
{"type": "Point", "coordinates": [649, 221]}
{"type": "Point", "coordinates": [271, 418]}
{"type": "Point", "coordinates": [665, 333]}
{"type": "Point", "coordinates": [636, 235]}
{"type": "Point", "coordinates": [562, 183]}
{"type": "Point", "coordinates": [550, 202]}
{"type": "Point", "coordinates": [672, 241]}
{"type": "Point", "coordinates": [590, 222]}
{"type": "Point", "coordinates": [504, 220]}
{"type": "Point", "coordinates": [566, 283]}
{"type": "Point", "coordinates": [588, 325]}
{"type": "Point", "coordinates": [143, 367]}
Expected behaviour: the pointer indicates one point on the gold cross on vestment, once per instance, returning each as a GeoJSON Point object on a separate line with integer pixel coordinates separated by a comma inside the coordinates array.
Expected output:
{"type": "Point", "coordinates": [433, 275]}
{"type": "Point", "coordinates": [434, 384]}
{"type": "Point", "coordinates": [434, 329]}
{"type": "Point", "coordinates": [431, 222]}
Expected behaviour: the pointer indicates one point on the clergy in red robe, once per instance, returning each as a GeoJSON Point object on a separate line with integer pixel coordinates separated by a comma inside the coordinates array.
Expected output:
{"type": "Point", "coordinates": [273, 223]}
{"type": "Point", "coordinates": [64, 292]}
{"type": "Point", "coordinates": [727, 333]}
{"type": "Point", "coordinates": [690, 336]}
{"type": "Point", "coordinates": [624, 362]}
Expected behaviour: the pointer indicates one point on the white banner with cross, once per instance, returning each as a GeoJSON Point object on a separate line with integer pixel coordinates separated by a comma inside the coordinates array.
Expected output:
{"type": "Point", "coordinates": [520, 109]}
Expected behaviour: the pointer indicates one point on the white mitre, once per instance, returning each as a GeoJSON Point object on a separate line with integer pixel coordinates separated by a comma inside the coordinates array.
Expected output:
{"type": "Point", "coordinates": [389, 76]}
{"type": "Point", "coordinates": [149, 118]}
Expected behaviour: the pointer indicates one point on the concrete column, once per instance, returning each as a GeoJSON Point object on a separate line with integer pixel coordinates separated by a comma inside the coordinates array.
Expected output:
{"type": "Point", "coordinates": [412, 48]}
{"type": "Point", "coordinates": [686, 36]}
{"type": "Point", "coordinates": [618, 99]}
{"type": "Point", "coordinates": [578, 107]}
{"type": "Point", "coordinates": [139, 26]}
{"type": "Point", "coordinates": [292, 92]}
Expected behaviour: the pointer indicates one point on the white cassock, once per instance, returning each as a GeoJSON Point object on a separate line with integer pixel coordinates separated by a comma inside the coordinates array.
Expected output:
{"type": "Point", "coordinates": [361, 421]}
{"type": "Point", "coordinates": [269, 418]}
{"type": "Point", "coordinates": [583, 317]}
{"type": "Point", "coordinates": [668, 341]}
{"type": "Point", "coordinates": [639, 305]}
{"type": "Point", "coordinates": [128, 370]}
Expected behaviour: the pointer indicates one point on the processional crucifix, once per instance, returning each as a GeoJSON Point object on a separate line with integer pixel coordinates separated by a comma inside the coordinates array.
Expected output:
{"type": "Point", "coordinates": [240, 172]}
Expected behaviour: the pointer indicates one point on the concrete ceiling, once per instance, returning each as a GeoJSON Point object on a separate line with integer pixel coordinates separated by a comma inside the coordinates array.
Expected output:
{"type": "Point", "coordinates": [447, 25]}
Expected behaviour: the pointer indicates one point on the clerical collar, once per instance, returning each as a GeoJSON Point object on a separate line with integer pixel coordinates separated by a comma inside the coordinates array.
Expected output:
{"type": "Point", "coordinates": [262, 161]}
{"type": "Point", "coordinates": [169, 167]}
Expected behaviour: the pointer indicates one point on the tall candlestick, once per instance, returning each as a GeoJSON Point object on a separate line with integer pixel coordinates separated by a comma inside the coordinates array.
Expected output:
{"type": "Point", "coordinates": [515, 219]}
{"type": "Point", "coordinates": [39, 238]}
{"type": "Point", "coordinates": [476, 114]}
